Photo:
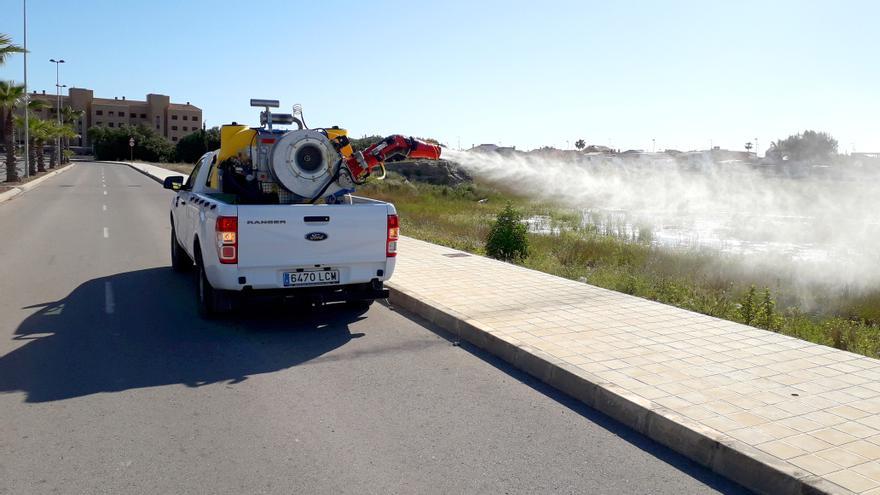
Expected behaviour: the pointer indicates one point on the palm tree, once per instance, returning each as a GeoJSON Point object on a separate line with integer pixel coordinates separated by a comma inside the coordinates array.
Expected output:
{"type": "Point", "coordinates": [7, 48]}
{"type": "Point", "coordinates": [37, 138]}
{"type": "Point", "coordinates": [42, 131]}
{"type": "Point", "coordinates": [66, 131]}
{"type": "Point", "coordinates": [70, 116]}
{"type": "Point", "coordinates": [34, 106]}
{"type": "Point", "coordinates": [10, 96]}
{"type": "Point", "coordinates": [52, 131]}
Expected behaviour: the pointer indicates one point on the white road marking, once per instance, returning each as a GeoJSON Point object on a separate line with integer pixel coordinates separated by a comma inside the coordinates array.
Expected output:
{"type": "Point", "coordinates": [109, 304]}
{"type": "Point", "coordinates": [106, 233]}
{"type": "Point", "coordinates": [104, 207]}
{"type": "Point", "coordinates": [105, 193]}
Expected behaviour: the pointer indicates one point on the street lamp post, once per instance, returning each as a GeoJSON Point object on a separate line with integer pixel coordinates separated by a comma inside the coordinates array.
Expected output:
{"type": "Point", "coordinates": [27, 136]}
{"type": "Point", "coordinates": [58, 106]}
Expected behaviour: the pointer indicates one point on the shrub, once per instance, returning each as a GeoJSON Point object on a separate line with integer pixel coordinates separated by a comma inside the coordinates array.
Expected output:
{"type": "Point", "coordinates": [192, 146]}
{"type": "Point", "coordinates": [748, 306]}
{"type": "Point", "coordinates": [508, 238]}
{"type": "Point", "coordinates": [112, 144]}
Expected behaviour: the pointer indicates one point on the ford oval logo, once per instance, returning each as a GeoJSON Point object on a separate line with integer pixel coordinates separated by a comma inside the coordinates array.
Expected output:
{"type": "Point", "coordinates": [316, 236]}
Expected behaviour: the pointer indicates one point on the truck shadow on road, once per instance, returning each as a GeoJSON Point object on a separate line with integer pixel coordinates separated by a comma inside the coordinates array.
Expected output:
{"type": "Point", "coordinates": [147, 333]}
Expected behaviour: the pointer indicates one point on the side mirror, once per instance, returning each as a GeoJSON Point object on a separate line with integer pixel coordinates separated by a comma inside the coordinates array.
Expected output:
{"type": "Point", "coordinates": [173, 182]}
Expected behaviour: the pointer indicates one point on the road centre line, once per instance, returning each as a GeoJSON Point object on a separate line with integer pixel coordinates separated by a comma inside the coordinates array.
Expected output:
{"type": "Point", "coordinates": [106, 233]}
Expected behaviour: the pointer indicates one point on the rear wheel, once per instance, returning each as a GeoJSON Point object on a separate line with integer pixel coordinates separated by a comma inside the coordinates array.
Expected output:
{"type": "Point", "coordinates": [180, 261]}
{"type": "Point", "coordinates": [211, 302]}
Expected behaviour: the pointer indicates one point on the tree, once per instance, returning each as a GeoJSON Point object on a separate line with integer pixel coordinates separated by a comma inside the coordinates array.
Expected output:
{"type": "Point", "coordinates": [508, 238]}
{"type": "Point", "coordinates": [70, 117]}
{"type": "Point", "coordinates": [7, 47]}
{"type": "Point", "coordinates": [33, 106]}
{"type": "Point", "coordinates": [192, 146]}
{"type": "Point", "coordinates": [580, 144]}
{"type": "Point", "coordinates": [54, 131]}
{"type": "Point", "coordinates": [749, 146]}
{"type": "Point", "coordinates": [65, 132]}
{"type": "Point", "coordinates": [11, 96]}
{"type": "Point", "coordinates": [808, 146]}
{"type": "Point", "coordinates": [112, 143]}
{"type": "Point", "coordinates": [41, 131]}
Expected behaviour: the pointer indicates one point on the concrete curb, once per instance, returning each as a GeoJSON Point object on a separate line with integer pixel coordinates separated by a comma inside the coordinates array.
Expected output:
{"type": "Point", "coordinates": [730, 458]}
{"type": "Point", "coordinates": [27, 186]}
{"type": "Point", "coordinates": [6, 196]}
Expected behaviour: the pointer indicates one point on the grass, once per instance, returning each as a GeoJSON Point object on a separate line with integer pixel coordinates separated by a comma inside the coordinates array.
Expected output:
{"type": "Point", "coordinates": [460, 217]}
{"type": "Point", "coordinates": [183, 168]}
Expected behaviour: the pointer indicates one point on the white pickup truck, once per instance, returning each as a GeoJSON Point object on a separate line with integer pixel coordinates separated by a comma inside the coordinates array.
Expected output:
{"type": "Point", "coordinates": [316, 252]}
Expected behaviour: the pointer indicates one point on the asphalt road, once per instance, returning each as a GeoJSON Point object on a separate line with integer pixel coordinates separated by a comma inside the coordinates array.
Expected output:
{"type": "Point", "coordinates": [110, 382]}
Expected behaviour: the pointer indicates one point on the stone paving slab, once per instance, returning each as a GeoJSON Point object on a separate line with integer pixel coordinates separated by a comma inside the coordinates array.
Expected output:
{"type": "Point", "coordinates": [774, 413]}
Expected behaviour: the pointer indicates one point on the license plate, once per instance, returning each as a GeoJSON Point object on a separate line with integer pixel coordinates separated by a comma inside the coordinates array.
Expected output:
{"type": "Point", "coordinates": [299, 279]}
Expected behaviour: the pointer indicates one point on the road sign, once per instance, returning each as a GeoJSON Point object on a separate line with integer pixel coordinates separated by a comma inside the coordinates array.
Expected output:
{"type": "Point", "coordinates": [131, 142]}
{"type": "Point", "coordinates": [131, 149]}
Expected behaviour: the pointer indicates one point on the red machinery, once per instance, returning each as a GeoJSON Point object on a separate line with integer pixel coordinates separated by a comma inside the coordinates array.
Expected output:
{"type": "Point", "coordinates": [393, 148]}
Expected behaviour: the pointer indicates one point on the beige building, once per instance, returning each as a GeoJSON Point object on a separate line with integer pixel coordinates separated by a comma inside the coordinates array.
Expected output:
{"type": "Point", "coordinates": [171, 120]}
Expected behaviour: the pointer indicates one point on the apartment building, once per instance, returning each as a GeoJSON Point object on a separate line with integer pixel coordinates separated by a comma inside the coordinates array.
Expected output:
{"type": "Point", "coordinates": [171, 120]}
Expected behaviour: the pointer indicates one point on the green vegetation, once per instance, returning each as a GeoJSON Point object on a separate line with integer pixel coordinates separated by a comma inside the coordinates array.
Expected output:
{"type": "Point", "coordinates": [508, 238]}
{"type": "Point", "coordinates": [362, 143]}
{"type": "Point", "coordinates": [698, 281]}
{"type": "Point", "coordinates": [41, 132]}
{"type": "Point", "coordinates": [192, 146]}
{"type": "Point", "coordinates": [7, 47]}
{"type": "Point", "coordinates": [806, 146]}
{"type": "Point", "coordinates": [11, 95]}
{"type": "Point", "coordinates": [112, 144]}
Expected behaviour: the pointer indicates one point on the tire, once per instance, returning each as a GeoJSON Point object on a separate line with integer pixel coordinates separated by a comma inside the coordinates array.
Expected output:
{"type": "Point", "coordinates": [211, 302]}
{"type": "Point", "coordinates": [180, 261]}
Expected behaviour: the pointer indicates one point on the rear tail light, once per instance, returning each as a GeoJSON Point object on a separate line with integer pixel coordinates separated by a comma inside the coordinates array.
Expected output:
{"type": "Point", "coordinates": [393, 235]}
{"type": "Point", "coordinates": [227, 239]}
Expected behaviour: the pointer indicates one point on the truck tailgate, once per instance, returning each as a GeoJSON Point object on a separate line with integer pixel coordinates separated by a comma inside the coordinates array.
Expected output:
{"type": "Point", "coordinates": [291, 235]}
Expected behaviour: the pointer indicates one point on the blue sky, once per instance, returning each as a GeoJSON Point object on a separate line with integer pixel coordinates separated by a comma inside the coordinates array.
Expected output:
{"type": "Point", "coordinates": [686, 73]}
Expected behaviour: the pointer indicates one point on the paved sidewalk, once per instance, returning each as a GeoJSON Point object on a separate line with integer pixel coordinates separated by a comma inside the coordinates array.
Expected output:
{"type": "Point", "coordinates": [156, 173]}
{"type": "Point", "coordinates": [777, 414]}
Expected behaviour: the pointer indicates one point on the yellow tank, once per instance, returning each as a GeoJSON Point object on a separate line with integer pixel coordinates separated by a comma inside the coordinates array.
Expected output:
{"type": "Point", "coordinates": [335, 132]}
{"type": "Point", "coordinates": [234, 139]}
